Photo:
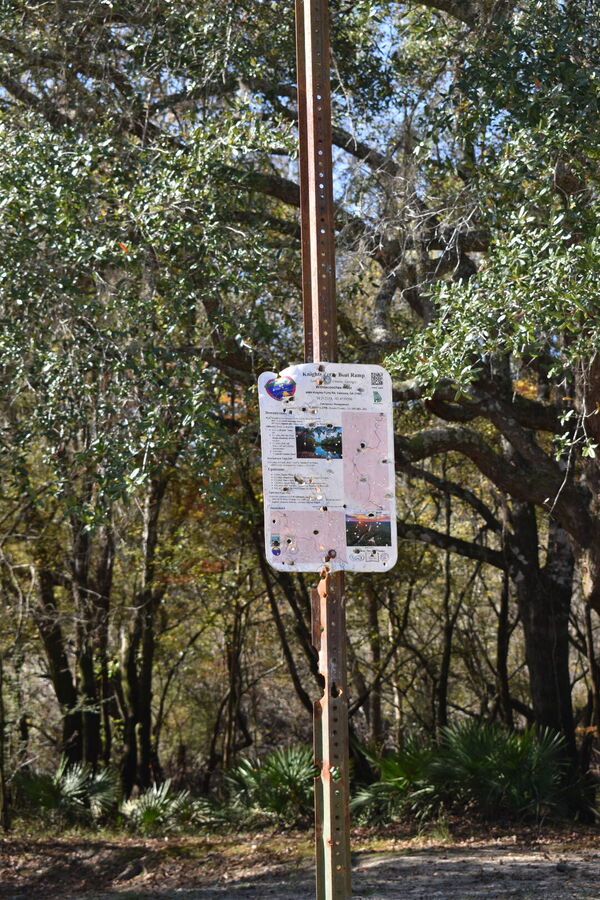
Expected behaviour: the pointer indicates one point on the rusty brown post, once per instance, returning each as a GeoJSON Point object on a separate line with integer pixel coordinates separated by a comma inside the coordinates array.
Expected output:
{"type": "Point", "coordinates": [332, 822]}
{"type": "Point", "coordinates": [316, 181]}
{"type": "Point", "coordinates": [332, 818]}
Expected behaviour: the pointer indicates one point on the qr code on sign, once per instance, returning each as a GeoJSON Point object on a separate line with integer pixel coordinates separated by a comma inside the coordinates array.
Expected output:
{"type": "Point", "coordinates": [377, 379]}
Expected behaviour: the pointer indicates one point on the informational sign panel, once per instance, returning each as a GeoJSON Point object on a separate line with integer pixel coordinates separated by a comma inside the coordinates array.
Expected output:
{"type": "Point", "coordinates": [328, 467]}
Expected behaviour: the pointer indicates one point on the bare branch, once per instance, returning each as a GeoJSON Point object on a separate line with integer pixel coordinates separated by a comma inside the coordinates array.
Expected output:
{"type": "Point", "coordinates": [540, 485]}
{"type": "Point", "coordinates": [456, 490]}
{"type": "Point", "coordinates": [416, 532]}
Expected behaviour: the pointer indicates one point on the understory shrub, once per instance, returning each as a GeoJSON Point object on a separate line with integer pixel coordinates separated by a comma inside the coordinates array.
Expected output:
{"type": "Point", "coordinates": [161, 809]}
{"type": "Point", "coordinates": [401, 775]}
{"type": "Point", "coordinates": [75, 792]}
{"type": "Point", "coordinates": [478, 767]}
{"type": "Point", "coordinates": [279, 787]}
{"type": "Point", "coordinates": [492, 770]}
{"type": "Point", "coordinates": [158, 808]}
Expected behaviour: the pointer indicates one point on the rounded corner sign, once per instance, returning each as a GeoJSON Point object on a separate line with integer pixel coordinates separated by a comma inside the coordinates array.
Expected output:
{"type": "Point", "coordinates": [328, 467]}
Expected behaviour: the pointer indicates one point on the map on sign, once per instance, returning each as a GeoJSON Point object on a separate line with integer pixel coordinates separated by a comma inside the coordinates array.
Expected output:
{"type": "Point", "coordinates": [328, 467]}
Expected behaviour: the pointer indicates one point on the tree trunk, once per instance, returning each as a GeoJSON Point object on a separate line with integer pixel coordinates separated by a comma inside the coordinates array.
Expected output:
{"type": "Point", "coordinates": [502, 646]}
{"type": "Point", "coordinates": [544, 598]}
{"type": "Point", "coordinates": [214, 757]}
{"type": "Point", "coordinates": [396, 692]}
{"type": "Point", "coordinates": [587, 399]}
{"type": "Point", "coordinates": [4, 801]}
{"type": "Point", "coordinates": [376, 723]}
{"type": "Point", "coordinates": [233, 651]}
{"type": "Point", "coordinates": [279, 625]}
{"type": "Point", "coordinates": [103, 586]}
{"type": "Point", "coordinates": [90, 717]}
{"type": "Point", "coordinates": [147, 772]}
{"type": "Point", "coordinates": [140, 764]}
{"type": "Point", "coordinates": [398, 623]}
{"type": "Point", "coordinates": [85, 604]}
{"type": "Point", "coordinates": [47, 618]}
{"type": "Point", "coordinates": [127, 692]}
{"type": "Point", "coordinates": [441, 688]}
{"type": "Point", "coordinates": [594, 669]}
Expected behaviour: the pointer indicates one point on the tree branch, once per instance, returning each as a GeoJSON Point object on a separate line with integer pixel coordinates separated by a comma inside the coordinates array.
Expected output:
{"type": "Point", "coordinates": [28, 98]}
{"type": "Point", "coordinates": [415, 532]}
{"type": "Point", "coordinates": [456, 490]}
{"type": "Point", "coordinates": [531, 414]}
{"type": "Point", "coordinates": [528, 482]}
{"type": "Point", "coordinates": [462, 10]}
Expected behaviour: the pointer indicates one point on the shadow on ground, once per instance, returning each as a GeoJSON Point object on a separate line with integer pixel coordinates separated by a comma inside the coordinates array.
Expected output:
{"type": "Point", "coordinates": [486, 873]}
{"type": "Point", "coordinates": [443, 873]}
{"type": "Point", "coordinates": [49, 869]}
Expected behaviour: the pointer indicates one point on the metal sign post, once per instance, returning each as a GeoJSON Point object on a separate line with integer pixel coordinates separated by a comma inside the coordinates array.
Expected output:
{"type": "Point", "coordinates": [320, 345]}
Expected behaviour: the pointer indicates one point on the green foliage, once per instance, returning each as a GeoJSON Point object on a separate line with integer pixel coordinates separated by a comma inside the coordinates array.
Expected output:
{"type": "Point", "coordinates": [93, 328]}
{"type": "Point", "coordinates": [278, 788]}
{"type": "Point", "coordinates": [495, 771]}
{"type": "Point", "coordinates": [74, 792]}
{"type": "Point", "coordinates": [158, 808]}
{"type": "Point", "coordinates": [280, 785]}
{"type": "Point", "coordinates": [535, 297]}
{"type": "Point", "coordinates": [400, 775]}
{"type": "Point", "coordinates": [209, 814]}
{"type": "Point", "coordinates": [149, 268]}
{"type": "Point", "coordinates": [478, 767]}
{"type": "Point", "coordinates": [522, 105]}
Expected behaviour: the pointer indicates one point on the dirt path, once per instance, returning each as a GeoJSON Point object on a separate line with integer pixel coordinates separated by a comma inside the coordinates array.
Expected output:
{"type": "Point", "coordinates": [530, 867]}
{"type": "Point", "coordinates": [447, 874]}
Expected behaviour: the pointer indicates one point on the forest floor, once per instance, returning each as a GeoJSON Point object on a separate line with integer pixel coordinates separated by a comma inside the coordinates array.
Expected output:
{"type": "Point", "coordinates": [458, 863]}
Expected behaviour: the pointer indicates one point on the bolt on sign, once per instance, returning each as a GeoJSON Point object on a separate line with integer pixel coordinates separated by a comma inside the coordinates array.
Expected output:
{"type": "Point", "coordinates": [328, 468]}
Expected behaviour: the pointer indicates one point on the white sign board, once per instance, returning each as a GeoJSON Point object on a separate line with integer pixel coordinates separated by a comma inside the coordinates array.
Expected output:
{"type": "Point", "coordinates": [328, 467]}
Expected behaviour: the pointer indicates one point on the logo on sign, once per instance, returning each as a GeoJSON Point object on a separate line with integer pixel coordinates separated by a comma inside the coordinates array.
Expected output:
{"type": "Point", "coordinates": [281, 388]}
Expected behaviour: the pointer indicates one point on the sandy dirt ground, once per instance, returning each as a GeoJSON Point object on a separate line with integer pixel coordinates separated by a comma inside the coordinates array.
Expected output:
{"type": "Point", "coordinates": [444, 873]}
{"type": "Point", "coordinates": [528, 865]}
